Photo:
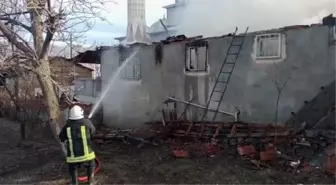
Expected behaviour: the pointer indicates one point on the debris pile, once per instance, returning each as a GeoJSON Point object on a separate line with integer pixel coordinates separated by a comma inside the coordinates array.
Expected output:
{"type": "Point", "coordinates": [254, 141]}
{"type": "Point", "coordinates": [264, 145]}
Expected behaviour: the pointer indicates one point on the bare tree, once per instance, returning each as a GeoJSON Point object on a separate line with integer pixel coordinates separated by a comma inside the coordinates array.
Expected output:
{"type": "Point", "coordinates": [24, 101]}
{"type": "Point", "coordinates": [44, 21]}
{"type": "Point", "coordinates": [279, 73]}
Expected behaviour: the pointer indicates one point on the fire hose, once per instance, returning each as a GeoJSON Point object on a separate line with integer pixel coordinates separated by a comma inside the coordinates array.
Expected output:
{"type": "Point", "coordinates": [97, 168]}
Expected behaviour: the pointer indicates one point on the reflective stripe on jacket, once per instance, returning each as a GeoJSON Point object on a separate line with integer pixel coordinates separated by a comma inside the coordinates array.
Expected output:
{"type": "Point", "coordinates": [78, 149]}
{"type": "Point", "coordinates": [77, 134]}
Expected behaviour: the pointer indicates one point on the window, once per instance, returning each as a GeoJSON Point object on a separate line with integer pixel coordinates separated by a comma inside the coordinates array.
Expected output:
{"type": "Point", "coordinates": [196, 56]}
{"type": "Point", "coordinates": [123, 52]}
{"type": "Point", "coordinates": [132, 70]}
{"type": "Point", "coordinates": [268, 46]}
{"type": "Point", "coordinates": [333, 32]}
{"type": "Point", "coordinates": [98, 84]}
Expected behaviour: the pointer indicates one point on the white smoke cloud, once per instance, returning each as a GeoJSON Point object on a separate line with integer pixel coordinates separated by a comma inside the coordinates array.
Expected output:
{"type": "Point", "coordinates": [218, 17]}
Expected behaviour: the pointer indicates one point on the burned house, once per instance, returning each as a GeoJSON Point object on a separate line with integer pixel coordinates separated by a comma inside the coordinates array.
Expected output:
{"type": "Point", "coordinates": [301, 57]}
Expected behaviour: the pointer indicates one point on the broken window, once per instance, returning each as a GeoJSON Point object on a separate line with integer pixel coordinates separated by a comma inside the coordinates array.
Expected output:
{"type": "Point", "coordinates": [122, 50]}
{"type": "Point", "coordinates": [197, 56]}
{"type": "Point", "coordinates": [132, 70]}
{"type": "Point", "coordinates": [268, 46]}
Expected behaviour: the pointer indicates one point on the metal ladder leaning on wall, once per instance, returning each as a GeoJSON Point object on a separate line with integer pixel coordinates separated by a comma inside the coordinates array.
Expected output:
{"type": "Point", "coordinates": [220, 86]}
{"type": "Point", "coordinates": [233, 44]}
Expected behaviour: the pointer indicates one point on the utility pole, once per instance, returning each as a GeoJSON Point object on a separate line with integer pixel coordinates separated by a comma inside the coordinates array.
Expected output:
{"type": "Point", "coordinates": [70, 45]}
{"type": "Point", "coordinates": [74, 66]}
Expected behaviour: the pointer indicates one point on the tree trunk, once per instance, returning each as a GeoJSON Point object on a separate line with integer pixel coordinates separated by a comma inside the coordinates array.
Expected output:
{"type": "Point", "coordinates": [39, 58]}
{"type": "Point", "coordinates": [276, 113]}
{"type": "Point", "coordinates": [50, 97]}
{"type": "Point", "coordinates": [43, 70]}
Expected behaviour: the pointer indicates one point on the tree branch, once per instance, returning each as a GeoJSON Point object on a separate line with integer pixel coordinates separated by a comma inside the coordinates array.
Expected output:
{"type": "Point", "coordinates": [13, 39]}
{"type": "Point", "coordinates": [17, 23]}
{"type": "Point", "coordinates": [14, 13]}
{"type": "Point", "coordinates": [285, 83]}
{"type": "Point", "coordinates": [51, 29]}
{"type": "Point", "coordinates": [50, 34]}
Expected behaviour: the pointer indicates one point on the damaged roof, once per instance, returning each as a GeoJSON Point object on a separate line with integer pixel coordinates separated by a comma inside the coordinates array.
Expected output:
{"type": "Point", "coordinates": [90, 56]}
{"type": "Point", "coordinates": [327, 21]}
{"type": "Point", "coordinates": [69, 60]}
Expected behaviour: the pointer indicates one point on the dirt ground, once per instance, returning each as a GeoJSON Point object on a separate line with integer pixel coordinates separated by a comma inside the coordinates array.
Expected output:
{"type": "Point", "coordinates": [33, 162]}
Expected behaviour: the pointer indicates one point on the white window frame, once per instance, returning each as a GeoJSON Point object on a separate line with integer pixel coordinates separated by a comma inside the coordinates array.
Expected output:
{"type": "Point", "coordinates": [188, 60]}
{"type": "Point", "coordinates": [259, 37]}
{"type": "Point", "coordinates": [333, 33]}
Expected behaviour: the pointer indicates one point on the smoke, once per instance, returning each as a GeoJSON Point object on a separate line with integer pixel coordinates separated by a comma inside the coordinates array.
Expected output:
{"type": "Point", "coordinates": [219, 17]}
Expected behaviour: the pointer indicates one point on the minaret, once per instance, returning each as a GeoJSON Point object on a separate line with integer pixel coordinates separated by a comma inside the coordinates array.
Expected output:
{"type": "Point", "coordinates": [136, 28]}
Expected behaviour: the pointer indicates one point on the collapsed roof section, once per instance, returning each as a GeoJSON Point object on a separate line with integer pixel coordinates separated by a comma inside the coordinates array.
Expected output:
{"type": "Point", "coordinates": [90, 56]}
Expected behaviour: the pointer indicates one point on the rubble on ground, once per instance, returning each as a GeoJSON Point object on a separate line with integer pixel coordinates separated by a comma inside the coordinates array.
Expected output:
{"type": "Point", "coordinates": [264, 145]}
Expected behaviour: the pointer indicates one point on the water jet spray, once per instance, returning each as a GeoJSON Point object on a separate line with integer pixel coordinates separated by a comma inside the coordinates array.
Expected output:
{"type": "Point", "coordinates": [111, 82]}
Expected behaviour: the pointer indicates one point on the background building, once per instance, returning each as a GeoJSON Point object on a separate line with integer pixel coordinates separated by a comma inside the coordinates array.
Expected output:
{"type": "Point", "coordinates": [157, 31]}
{"type": "Point", "coordinates": [136, 28]}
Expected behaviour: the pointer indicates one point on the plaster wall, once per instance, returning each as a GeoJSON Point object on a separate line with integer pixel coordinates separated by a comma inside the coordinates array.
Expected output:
{"type": "Point", "coordinates": [308, 59]}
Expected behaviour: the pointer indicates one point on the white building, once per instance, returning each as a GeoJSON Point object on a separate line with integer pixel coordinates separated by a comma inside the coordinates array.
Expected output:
{"type": "Point", "coordinates": [171, 21]}
{"type": "Point", "coordinates": [136, 28]}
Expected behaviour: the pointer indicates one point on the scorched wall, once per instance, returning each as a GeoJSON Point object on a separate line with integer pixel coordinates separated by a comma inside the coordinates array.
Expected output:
{"type": "Point", "coordinates": [307, 58]}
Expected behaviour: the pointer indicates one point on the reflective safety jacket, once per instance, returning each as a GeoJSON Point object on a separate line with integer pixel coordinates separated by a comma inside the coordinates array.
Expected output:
{"type": "Point", "coordinates": [77, 134]}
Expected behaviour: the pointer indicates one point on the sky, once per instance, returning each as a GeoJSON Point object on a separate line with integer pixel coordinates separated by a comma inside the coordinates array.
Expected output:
{"type": "Point", "coordinates": [222, 16]}
{"type": "Point", "coordinates": [214, 17]}
{"type": "Point", "coordinates": [103, 32]}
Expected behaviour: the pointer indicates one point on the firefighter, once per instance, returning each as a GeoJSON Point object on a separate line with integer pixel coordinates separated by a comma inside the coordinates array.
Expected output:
{"type": "Point", "coordinates": [77, 135]}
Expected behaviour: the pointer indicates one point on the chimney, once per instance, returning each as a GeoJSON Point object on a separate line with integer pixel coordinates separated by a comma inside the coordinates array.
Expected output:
{"type": "Point", "coordinates": [136, 28]}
